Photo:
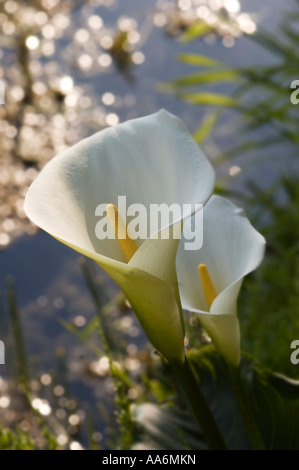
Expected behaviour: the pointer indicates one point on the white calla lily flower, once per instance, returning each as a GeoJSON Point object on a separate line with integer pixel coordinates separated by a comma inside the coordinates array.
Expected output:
{"type": "Point", "coordinates": [210, 279]}
{"type": "Point", "coordinates": [150, 160]}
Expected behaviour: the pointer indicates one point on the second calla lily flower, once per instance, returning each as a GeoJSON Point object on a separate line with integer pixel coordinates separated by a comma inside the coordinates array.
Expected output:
{"type": "Point", "coordinates": [210, 279]}
{"type": "Point", "coordinates": [151, 160]}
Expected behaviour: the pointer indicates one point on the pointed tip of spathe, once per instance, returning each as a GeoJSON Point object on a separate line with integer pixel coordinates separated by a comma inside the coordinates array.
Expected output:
{"type": "Point", "coordinates": [161, 115]}
{"type": "Point", "coordinates": [166, 115]}
{"type": "Point", "coordinates": [169, 115]}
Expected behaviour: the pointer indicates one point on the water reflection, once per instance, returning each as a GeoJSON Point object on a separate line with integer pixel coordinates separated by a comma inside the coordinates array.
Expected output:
{"type": "Point", "coordinates": [224, 17]}
{"type": "Point", "coordinates": [45, 47]}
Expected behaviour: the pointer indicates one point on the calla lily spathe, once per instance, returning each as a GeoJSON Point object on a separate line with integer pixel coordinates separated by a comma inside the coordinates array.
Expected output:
{"type": "Point", "coordinates": [231, 249]}
{"type": "Point", "coordinates": [150, 160]}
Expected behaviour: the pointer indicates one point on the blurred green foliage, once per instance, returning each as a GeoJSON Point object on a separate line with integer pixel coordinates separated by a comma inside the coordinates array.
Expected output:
{"type": "Point", "coordinates": [269, 300]}
{"type": "Point", "coordinates": [272, 399]}
{"type": "Point", "coordinates": [260, 94]}
{"type": "Point", "coordinates": [18, 440]}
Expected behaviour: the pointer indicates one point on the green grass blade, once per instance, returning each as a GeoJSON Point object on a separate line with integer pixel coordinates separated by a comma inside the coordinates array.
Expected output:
{"type": "Point", "coordinates": [198, 60]}
{"type": "Point", "coordinates": [198, 29]}
{"type": "Point", "coordinates": [206, 127]}
{"type": "Point", "coordinates": [206, 78]}
{"type": "Point", "coordinates": [212, 99]}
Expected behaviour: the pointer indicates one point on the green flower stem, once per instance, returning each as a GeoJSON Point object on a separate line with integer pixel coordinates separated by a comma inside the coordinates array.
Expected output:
{"type": "Point", "coordinates": [199, 405]}
{"type": "Point", "coordinates": [244, 407]}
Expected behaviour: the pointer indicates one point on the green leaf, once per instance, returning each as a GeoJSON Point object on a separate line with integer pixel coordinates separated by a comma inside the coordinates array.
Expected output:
{"type": "Point", "coordinates": [205, 98]}
{"type": "Point", "coordinates": [206, 127]}
{"type": "Point", "coordinates": [198, 29]}
{"type": "Point", "coordinates": [206, 78]}
{"type": "Point", "coordinates": [198, 60]}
